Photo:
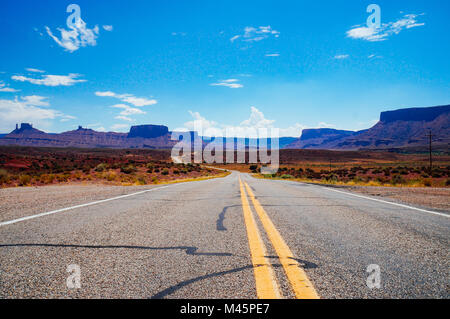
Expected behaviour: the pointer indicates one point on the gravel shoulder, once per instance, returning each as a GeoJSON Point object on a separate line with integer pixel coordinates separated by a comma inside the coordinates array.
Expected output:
{"type": "Point", "coordinates": [431, 198]}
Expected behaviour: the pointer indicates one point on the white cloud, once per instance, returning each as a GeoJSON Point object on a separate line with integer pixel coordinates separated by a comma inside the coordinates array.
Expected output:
{"type": "Point", "coordinates": [108, 28]}
{"type": "Point", "coordinates": [326, 125]}
{"type": "Point", "coordinates": [128, 110]}
{"type": "Point", "coordinates": [230, 83]}
{"type": "Point", "coordinates": [33, 109]}
{"type": "Point", "coordinates": [4, 88]}
{"type": "Point", "coordinates": [235, 38]}
{"type": "Point", "coordinates": [247, 128]}
{"type": "Point", "coordinates": [36, 100]}
{"type": "Point", "coordinates": [77, 36]}
{"type": "Point", "coordinates": [124, 118]}
{"type": "Point", "coordinates": [34, 70]}
{"type": "Point", "coordinates": [341, 56]}
{"type": "Point", "coordinates": [252, 34]}
{"type": "Point", "coordinates": [66, 118]}
{"type": "Point", "coordinates": [51, 80]}
{"type": "Point", "coordinates": [128, 98]}
{"type": "Point", "coordinates": [257, 119]}
{"type": "Point", "coordinates": [408, 21]}
{"type": "Point", "coordinates": [272, 54]}
{"type": "Point", "coordinates": [121, 127]}
{"type": "Point", "coordinates": [205, 124]}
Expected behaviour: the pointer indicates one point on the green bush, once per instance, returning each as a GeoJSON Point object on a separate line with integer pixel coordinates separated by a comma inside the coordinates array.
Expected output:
{"type": "Point", "coordinates": [24, 180]}
{"type": "Point", "coordinates": [101, 167]}
{"type": "Point", "coordinates": [286, 176]}
{"type": "Point", "coordinates": [165, 171]}
{"type": "Point", "coordinates": [128, 169]}
{"type": "Point", "coordinates": [397, 179]}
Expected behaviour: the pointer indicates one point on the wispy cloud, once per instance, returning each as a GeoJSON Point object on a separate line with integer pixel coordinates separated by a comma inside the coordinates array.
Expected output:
{"type": "Point", "coordinates": [4, 88]}
{"type": "Point", "coordinates": [128, 110]}
{"type": "Point", "coordinates": [120, 127]}
{"type": "Point", "coordinates": [34, 70]}
{"type": "Point", "coordinates": [341, 56]}
{"type": "Point", "coordinates": [272, 54]}
{"type": "Point", "coordinates": [408, 21]}
{"type": "Point", "coordinates": [34, 109]}
{"type": "Point", "coordinates": [128, 98]}
{"type": "Point", "coordinates": [108, 28]}
{"type": "Point", "coordinates": [78, 35]}
{"type": "Point", "coordinates": [51, 80]}
{"type": "Point", "coordinates": [230, 83]}
{"type": "Point", "coordinates": [255, 34]}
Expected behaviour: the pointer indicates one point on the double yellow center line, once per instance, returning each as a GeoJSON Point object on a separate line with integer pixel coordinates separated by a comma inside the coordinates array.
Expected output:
{"type": "Point", "coordinates": [266, 284]}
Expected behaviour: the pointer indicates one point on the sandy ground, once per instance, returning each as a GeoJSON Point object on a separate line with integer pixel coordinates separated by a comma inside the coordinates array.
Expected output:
{"type": "Point", "coordinates": [426, 197]}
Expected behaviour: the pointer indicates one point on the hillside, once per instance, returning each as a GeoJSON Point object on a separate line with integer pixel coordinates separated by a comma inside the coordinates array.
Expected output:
{"type": "Point", "coordinates": [396, 129]}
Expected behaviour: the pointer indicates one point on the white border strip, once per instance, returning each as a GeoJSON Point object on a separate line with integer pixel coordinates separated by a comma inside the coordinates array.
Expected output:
{"type": "Point", "coordinates": [77, 206]}
{"type": "Point", "coordinates": [386, 202]}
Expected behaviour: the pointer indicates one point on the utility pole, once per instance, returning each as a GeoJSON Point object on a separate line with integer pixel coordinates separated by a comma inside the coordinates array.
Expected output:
{"type": "Point", "coordinates": [430, 139]}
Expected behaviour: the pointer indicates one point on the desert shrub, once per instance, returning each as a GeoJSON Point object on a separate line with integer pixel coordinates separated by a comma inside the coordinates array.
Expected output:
{"type": "Point", "coordinates": [175, 171]}
{"type": "Point", "coordinates": [128, 169]}
{"type": "Point", "coordinates": [253, 167]}
{"type": "Point", "coordinates": [397, 179]}
{"type": "Point", "coordinates": [4, 176]}
{"type": "Point", "coordinates": [24, 180]}
{"type": "Point", "coordinates": [286, 176]}
{"type": "Point", "coordinates": [141, 180]}
{"type": "Point", "coordinates": [111, 176]}
{"type": "Point", "coordinates": [77, 175]}
{"type": "Point", "coordinates": [165, 171]}
{"type": "Point", "coordinates": [150, 166]}
{"type": "Point", "coordinates": [157, 170]}
{"type": "Point", "coordinates": [154, 180]}
{"type": "Point", "coordinates": [101, 167]}
{"type": "Point", "coordinates": [427, 182]}
{"type": "Point", "coordinates": [447, 182]}
{"type": "Point", "coordinates": [332, 178]}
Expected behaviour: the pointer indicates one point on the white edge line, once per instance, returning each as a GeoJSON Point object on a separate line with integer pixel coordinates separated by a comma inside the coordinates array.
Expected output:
{"type": "Point", "coordinates": [386, 202]}
{"type": "Point", "coordinates": [76, 206]}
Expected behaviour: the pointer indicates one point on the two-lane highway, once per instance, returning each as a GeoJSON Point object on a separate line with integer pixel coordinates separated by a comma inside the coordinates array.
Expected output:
{"type": "Point", "coordinates": [232, 237]}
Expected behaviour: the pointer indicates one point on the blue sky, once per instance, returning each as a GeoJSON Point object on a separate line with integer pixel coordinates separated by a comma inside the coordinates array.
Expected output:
{"type": "Point", "coordinates": [285, 64]}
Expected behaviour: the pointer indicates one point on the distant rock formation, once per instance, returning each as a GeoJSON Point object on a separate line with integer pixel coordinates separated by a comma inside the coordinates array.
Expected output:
{"type": "Point", "coordinates": [26, 128]}
{"type": "Point", "coordinates": [396, 129]}
{"type": "Point", "coordinates": [144, 136]}
{"type": "Point", "coordinates": [148, 131]}
{"type": "Point", "coordinates": [427, 114]}
{"type": "Point", "coordinates": [316, 138]}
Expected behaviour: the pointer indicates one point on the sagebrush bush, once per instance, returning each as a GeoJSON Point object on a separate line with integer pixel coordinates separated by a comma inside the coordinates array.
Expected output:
{"type": "Point", "coordinates": [101, 167]}
{"type": "Point", "coordinates": [24, 180]}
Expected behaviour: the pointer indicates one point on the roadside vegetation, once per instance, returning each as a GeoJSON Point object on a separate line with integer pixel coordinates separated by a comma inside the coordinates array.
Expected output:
{"type": "Point", "coordinates": [376, 175]}
{"type": "Point", "coordinates": [21, 166]}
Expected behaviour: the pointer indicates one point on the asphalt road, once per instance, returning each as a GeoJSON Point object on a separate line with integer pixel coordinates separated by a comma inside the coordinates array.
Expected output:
{"type": "Point", "coordinates": [232, 237]}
